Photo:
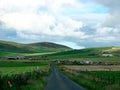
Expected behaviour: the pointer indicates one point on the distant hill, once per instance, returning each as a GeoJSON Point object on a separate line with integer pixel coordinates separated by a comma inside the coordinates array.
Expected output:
{"type": "Point", "coordinates": [48, 45]}
{"type": "Point", "coordinates": [41, 47]}
{"type": "Point", "coordinates": [85, 53]}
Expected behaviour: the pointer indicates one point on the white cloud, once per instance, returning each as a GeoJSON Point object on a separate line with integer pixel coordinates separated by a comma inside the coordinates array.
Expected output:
{"type": "Point", "coordinates": [114, 9]}
{"type": "Point", "coordinates": [44, 20]}
{"type": "Point", "coordinates": [46, 24]}
{"type": "Point", "coordinates": [107, 31]}
{"type": "Point", "coordinates": [25, 20]}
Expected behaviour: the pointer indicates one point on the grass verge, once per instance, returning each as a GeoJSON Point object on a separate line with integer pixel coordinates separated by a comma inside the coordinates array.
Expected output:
{"type": "Point", "coordinates": [15, 75]}
{"type": "Point", "coordinates": [96, 80]}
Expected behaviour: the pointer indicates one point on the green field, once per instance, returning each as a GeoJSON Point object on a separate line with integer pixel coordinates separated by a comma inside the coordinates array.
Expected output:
{"type": "Point", "coordinates": [85, 53]}
{"type": "Point", "coordinates": [96, 80]}
{"type": "Point", "coordinates": [24, 75]}
{"type": "Point", "coordinates": [15, 67]}
{"type": "Point", "coordinates": [18, 70]}
{"type": "Point", "coordinates": [22, 63]}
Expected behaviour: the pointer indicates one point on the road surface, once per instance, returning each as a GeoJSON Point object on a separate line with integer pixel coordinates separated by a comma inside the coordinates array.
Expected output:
{"type": "Point", "coordinates": [57, 81]}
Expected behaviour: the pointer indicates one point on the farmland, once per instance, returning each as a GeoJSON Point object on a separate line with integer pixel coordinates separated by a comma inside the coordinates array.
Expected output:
{"type": "Point", "coordinates": [22, 63]}
{"type": "Point", "coordinates": [23, 75]}
{"type": "Point", "coordinates": [97, 79]}
{"type": "Point", "coordinates": [94, 53]}
{"type": "Point", "coordinates": [18, 70]}
{"type": "Point", "coordinates": [87, 67]}
{"type": "Point", "coordinates": [16, 67]}
{"type": "Point", "coordinates": [92, 67]}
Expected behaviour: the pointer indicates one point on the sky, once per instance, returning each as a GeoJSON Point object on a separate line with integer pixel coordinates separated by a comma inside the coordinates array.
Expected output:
{"type": "Point", "coordinates": [75, 23]}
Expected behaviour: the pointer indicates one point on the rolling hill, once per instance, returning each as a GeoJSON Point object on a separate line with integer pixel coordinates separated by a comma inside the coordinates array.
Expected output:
{"type": "Point", "coordinates": [85, 53]}
{"type": "Point", "coordinates": [13, 48]}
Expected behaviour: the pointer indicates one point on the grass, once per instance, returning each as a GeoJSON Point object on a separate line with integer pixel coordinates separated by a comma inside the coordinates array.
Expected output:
{"type": "Point", "coordinates": [15, 67]}
{"type": "Point", "coordinates": [37, 84]}
{"type": "Point", "coordinates": [21, 63]}
{"type": "Point", "coordinates": [2, 54]}
{"type": "Point", "coordinates": [37, 54]}
{"type": "Point", "coordinates": [11, 48]}
{"type": "Point", "coordinates": [96, 80]}
{"type": "Point", "coordinates": [83, 53]}
{"type": "Point", "coordinates": [24, 75]}
{"type": "Point", "coordinates": [32, 80]}
{"type": "Point", "coordinates": [18, 70]}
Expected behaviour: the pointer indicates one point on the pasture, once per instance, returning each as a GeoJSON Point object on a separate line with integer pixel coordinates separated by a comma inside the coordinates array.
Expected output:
{"type": "Point", "coordinates": [24, 75]}
{"type": "Point", "coordinates": [17, 67]}
{"type": "Point", "coordinates": [94, 80]}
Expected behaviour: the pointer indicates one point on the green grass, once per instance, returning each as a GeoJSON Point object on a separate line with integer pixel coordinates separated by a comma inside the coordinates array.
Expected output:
{"type": "Point", "coordinates": [19, 70]}
{"type": "Point", "coordinates": [11, 48]}
{"type": "Point", "coordinates": [37, 84]}
{"type": "Point", "coordinates": [84, 53]}
{"type": "Point", "coordinates": [3, 54]}
{"type": "Point", "coordinates": [74, 54]}
{"type": "Point", "coordinates": [37, 54]}
{"type": "Point", "coordinates": [15, 67]}
{"type": "Point", "coordinates": [100, 48]}
{"type": "Point", "coordinates": [97, 80]}
{"type": "Point", "coordinates": [24, 75]}
{"type": "Point", "coordinates": [21, 64]}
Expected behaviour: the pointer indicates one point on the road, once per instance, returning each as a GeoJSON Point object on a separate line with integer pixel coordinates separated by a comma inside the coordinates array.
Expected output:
{"type": "Point", "coordinates": [58, 81]}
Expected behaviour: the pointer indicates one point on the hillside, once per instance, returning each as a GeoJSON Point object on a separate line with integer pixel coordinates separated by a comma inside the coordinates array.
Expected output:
{"type": "Point", "coordinates": [85, 53]}
{"type": "Point", "coordinates": [13, 48]}
{"type": "Point", "coordinates": [49, 45]}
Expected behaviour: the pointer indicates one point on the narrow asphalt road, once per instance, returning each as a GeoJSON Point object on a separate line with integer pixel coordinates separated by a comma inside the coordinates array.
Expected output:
{"type": "Point", "coordinates": [58, 81]}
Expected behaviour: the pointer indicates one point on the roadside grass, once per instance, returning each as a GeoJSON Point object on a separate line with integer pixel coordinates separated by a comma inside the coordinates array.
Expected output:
{"type": "Point", "coordinates": [24, 75]}
{"type": "Point", "coordinates": [96, 80]}
{"type": "Point", "coordinates": [34, 80]}
{"type": "Point", "coordinates": [37, 83]}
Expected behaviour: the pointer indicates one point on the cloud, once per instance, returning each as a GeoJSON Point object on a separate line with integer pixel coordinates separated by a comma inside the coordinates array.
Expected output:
{"type": "Point", "coordinates": [109, 29]}
{"type": "Point", "coordinates": [85, 23]}
{"type": "Point", "coordinates": [42, 24]}
{"type": "Point", "coordinates": [114, 9]}
{"type": "Point", "coordinates": [29, 20]}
